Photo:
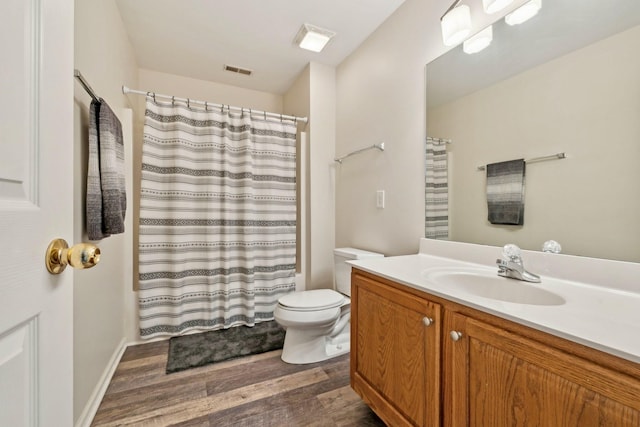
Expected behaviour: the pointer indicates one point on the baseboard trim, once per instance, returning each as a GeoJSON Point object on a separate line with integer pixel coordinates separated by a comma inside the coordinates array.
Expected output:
{"type": "Point", "coordinates": [147, 341]}
{"type": "Point", "coordinates": [93, 403]}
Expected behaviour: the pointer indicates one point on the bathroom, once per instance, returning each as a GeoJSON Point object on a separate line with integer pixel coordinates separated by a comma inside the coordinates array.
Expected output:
{"type": "Point", "coordinates": [376, 94]}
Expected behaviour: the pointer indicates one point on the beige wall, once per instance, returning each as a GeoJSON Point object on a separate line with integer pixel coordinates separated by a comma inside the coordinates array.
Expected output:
{"type": "Point", "coordinates": [585, 104]}
{"type": "Point", "coordinates": [186, 87]}
{"type": "Point", "coordinates": [381, 97]}
{"type": "Point", "coordinates": [297, 102]}
{"type": "Point", "coordinates": [105, 57]}
{"type": "Point", "coordinates": [321, 144]}
{"type": "Point", "coordinates": [313, 95]}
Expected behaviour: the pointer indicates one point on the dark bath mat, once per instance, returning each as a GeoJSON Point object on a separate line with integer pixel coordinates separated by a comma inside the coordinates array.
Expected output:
{"type": "Point", "coordinates": [190, 351]}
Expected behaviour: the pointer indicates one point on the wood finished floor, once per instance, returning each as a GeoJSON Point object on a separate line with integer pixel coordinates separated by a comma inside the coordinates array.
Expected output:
{"type": "Point", "coordinates": [259, 390]}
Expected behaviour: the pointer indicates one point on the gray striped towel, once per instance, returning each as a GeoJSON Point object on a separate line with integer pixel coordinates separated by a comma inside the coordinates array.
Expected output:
{"type": "Point", "coordinates": [505, 192]}
{"type": "Point", "coordinates": [106, 196]}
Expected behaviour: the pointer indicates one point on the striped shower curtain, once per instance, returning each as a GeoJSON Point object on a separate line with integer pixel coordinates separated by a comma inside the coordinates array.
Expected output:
{"type": "Point", "coordinates": [217, 218]}
{"type": "Point", "coordinates": [436, 190]}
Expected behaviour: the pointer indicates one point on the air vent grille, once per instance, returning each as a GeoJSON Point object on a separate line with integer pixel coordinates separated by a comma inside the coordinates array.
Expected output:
{"type": "Point", "coordinates": [238, 70]}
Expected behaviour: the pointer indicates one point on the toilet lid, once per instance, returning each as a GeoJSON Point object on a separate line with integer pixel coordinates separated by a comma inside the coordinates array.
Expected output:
{"type": "Point", "coordinates": [317, 299]}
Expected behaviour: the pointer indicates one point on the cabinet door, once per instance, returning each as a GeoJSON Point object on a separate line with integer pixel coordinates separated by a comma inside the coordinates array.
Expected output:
{"type": "Point", "coordinates": [395, 353]}
{"type": "Point", "coordinates": [498, 378]}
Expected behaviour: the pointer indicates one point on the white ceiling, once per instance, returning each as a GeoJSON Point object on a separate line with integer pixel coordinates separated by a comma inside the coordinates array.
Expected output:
{"type": "Point", "coordinates": [195, 38]}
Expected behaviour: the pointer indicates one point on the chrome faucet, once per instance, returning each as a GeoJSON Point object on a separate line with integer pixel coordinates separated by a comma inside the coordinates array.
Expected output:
{"type": "Point", "coordinates": [511, 266]}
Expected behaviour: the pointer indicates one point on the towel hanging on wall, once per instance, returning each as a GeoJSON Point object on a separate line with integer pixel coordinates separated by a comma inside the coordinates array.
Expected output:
{"type": "Point", "coordinates": [505, 192]}
{"type": "Point", "coordinates": [106, 196]}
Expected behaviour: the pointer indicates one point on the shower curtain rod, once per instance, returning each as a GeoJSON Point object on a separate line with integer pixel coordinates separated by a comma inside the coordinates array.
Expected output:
{"type": "Point", "coordinates": [208, 105]}
{"type": "Point", "coordinates": [78, 75]}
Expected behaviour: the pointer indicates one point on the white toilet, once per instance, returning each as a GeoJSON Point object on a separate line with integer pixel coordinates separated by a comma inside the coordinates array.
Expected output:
{"type": "Point", "coordinates": [317, 321]}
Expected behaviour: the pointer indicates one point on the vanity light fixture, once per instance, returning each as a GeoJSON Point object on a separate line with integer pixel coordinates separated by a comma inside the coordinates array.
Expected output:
{"type": "Point", "coordinates": [524, 12]}
{"type": "Point", "coordinates": [479, 41]}
{"type": "Point", "coordinates": [493, 6]}
{"type": "Point", "coordinates": [455, 23]}
{"type": "Point", "coordinates": [313, 38]}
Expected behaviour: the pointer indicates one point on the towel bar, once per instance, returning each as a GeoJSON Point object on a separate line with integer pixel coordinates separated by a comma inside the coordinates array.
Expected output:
{"type": "Point", "coordinates": [378, 146]}
{"type": "Point", "coordinates": [556, 156]}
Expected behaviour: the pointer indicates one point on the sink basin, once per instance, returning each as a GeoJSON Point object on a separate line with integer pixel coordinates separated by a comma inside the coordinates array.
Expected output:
{"type": "Point", "coordinates": [487, 284]}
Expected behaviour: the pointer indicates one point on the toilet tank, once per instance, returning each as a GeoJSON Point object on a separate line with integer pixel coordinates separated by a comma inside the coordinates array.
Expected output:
{"type": "Point", "coordinates": [343, 270]}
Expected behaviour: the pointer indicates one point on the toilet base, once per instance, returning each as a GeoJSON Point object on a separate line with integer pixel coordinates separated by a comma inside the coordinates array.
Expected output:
{"type": "Point", "coordinates": [300, 349]}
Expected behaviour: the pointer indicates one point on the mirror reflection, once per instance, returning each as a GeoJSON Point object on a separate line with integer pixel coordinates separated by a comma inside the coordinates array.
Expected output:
{"type": "Point", "coordinates": [566, 81]}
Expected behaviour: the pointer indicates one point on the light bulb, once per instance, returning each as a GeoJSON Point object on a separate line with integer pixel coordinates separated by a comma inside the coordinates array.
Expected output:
{"type": "Point", "coordinates": [456, 25]}
{"type": "Point", "coordinates": [493, 6]}
{"type": "Point", "coordinates": [524, 12]}
{"type": "Point", "coordinates": [479, 41]}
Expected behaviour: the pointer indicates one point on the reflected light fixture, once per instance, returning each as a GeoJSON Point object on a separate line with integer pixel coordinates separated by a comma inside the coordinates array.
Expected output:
{"type": "Point", "coordinates": [493, 6]}
{"type": "Point", "coordinates": [313, 38]}
{"type": "Point", "coordinates": [456, 24]}
{"type": "Point", "coordinates": [524, 12]}
{"type": "Point", "coordinates": [479, 41]}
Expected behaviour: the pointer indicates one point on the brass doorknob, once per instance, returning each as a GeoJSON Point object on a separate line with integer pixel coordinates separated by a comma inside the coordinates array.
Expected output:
{"type": "Point", "coordinates": [80, 256]}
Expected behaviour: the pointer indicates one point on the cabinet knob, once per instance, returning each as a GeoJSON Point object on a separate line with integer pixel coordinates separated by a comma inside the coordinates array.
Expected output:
{"type": "Point", "coordinates": [427, 321]}
{"type": "Point", "coordinates": [455, 335]}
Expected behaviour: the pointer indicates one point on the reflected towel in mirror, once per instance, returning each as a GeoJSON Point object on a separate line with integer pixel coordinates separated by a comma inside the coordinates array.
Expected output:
{"type": "Point", "coordinates": [505, 192]}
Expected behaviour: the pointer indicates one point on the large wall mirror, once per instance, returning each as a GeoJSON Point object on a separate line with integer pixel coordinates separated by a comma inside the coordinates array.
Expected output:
{"type": "Point", "coordinates": [567, 80]}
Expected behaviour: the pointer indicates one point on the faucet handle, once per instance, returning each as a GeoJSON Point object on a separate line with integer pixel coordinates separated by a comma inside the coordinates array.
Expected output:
{"type": "Point", "coordinates": [551, 246]}
{"type": "Point", "coordinates": [512, 253]}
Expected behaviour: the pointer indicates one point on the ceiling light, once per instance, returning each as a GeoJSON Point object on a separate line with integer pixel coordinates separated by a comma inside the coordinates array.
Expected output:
{"type": "Point", "coordinates": [456, 24]}
{"type": "Point", "coordinates": [313, 38]}
{"type": "Point", "coordinates": [524, 12]}
{"type": "Point", "coordinates": [479, 41]}
{"type": "Point", "coordinates": [493, 6]}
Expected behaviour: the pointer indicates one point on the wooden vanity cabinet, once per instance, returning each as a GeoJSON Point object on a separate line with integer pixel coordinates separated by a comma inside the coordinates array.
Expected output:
{"type": "Point", "coordinates": [492, 377]}
{"type": "Point", "coordinates": [468, 368]}
{"type": "Point", "coordinates": [395, 353]}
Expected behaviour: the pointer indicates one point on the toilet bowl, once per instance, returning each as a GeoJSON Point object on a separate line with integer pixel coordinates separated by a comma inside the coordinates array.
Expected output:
{"type": "Point", "coordinates": [317, 321]}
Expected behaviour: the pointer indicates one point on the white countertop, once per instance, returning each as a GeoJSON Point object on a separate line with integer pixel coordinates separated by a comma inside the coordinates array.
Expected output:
{"type": "Point", "coordinates": [604, 316]}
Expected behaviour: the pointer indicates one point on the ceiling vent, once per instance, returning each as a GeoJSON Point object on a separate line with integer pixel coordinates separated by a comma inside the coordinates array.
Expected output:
{"type": "Point", "coordinates": [238, 70]}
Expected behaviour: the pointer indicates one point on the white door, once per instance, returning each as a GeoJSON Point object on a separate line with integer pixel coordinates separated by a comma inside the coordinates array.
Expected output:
{"type": "Point", "coordinates": [36, 201]}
